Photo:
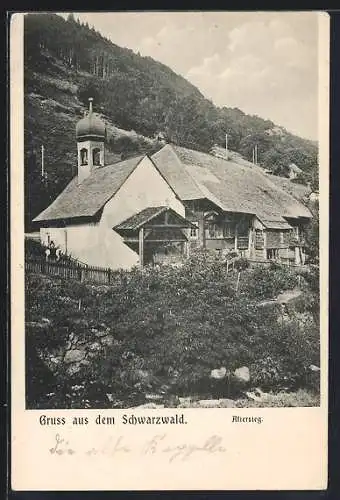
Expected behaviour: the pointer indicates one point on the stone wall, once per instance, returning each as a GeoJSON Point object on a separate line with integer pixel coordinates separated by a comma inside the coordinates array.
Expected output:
{"type": "Point", "coordinates": [72, 350]}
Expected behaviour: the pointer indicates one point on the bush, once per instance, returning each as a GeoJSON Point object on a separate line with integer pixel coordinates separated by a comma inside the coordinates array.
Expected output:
{"type": "Point", "coordinates": [34, 248]}
{"type": "Point", "coordinates": [264, 283]}
{"type": "Point", "coordinates": [284, 355]}
{"type": "Point", "coordinates": [242, 264]}
{"type": "Point", "coordinates": [177, 324]}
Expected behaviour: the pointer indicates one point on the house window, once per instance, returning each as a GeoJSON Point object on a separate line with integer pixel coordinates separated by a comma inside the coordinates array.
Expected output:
{"type": "Point", "coordinates": [228, 230]}
{"type": "Point", "coordinates": [272, 253]}
{"type": "Point", "coordinates": [214, 230]}
{"type": "Point", "coordinates": [83, 156]}
{"type": "Point", "coordinates": [194, 231]}
{"type": "Point", "coordinates": [294, 235]}
{"type": "Point", "coordinates": [96, 156]}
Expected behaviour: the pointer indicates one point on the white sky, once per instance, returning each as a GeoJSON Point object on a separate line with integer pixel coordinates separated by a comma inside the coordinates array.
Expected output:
{"type": "Point", "coordinates": [263, 63]}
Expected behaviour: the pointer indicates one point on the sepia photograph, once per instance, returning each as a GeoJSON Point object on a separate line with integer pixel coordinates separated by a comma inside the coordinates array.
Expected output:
{"type": "Point", "coordinates": [171, 171]}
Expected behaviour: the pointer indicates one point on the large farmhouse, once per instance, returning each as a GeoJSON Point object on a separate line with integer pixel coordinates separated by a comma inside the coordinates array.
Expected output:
{"type": "Point", "coordinates": [156, 209]}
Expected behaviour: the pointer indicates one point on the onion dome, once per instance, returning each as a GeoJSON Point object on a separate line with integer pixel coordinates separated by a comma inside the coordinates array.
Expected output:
{"type": "Point", "coordinates": [90, 127]}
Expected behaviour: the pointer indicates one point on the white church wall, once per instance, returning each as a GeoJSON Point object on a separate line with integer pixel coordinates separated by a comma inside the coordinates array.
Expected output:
{"type": "Point", "coordinates": [144, 188]}
{"type": "Point", "coordinates": [57, 235]}
{"type": "Point", "coordinates": [93, 244]}
{"type": "Point", "coordinates": [98, 245]}
{"type": "Point", "coordinates": [78, 240]}
{"type": "Point", "coordinates": [82, 242]}
{"type": "Point", "coordinates": [113, 252]}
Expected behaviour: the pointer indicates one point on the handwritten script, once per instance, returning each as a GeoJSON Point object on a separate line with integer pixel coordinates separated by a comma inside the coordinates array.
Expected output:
{"type": "Point", "coordinates": [158, 444]}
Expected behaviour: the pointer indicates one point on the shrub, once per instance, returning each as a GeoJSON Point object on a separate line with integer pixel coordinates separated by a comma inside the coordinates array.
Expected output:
{"type": "Point", "coordinates": [284, 355]}
{"type": "Point", "coordinates": [34, 248]}
{"type": "Point", "coordinates": [177, 324]}
{"type": "Point", "coordinates": [242, 264]}
{"type": "Point", "coordinates": [264, 283]}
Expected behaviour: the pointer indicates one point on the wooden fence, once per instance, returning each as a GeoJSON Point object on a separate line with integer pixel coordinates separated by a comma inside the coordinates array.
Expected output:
{"type": "Point", "coordinates": [84, 274]}
{"type": "Point", "coordinates": [100, 275]}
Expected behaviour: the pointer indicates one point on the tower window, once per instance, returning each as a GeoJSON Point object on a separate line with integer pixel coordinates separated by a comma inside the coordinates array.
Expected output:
{"type": "Point", "coordinates": [83, 156]}
{"type": "Point", "coordinates": [96, 156]}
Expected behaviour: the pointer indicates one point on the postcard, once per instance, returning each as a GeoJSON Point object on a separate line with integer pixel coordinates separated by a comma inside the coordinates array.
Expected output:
{"type": "Point", "coordinates": [169, 187]}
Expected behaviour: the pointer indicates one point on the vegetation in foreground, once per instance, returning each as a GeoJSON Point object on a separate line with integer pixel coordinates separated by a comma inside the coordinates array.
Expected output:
{"type": "Point", "coordinates": [162, 331]}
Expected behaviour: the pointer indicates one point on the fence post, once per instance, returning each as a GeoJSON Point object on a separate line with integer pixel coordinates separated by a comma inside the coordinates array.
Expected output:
{"type": "Point", "coordinates": [109, 275]}
{"type": "Point", "coordinates": [238, 281]}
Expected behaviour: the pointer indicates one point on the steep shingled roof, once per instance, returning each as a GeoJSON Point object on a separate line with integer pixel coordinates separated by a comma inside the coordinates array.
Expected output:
{"type": "Point", "coordinates": [138, 220]}
{"type": "Point", "coordinates": [147, 215]}
{"type": "Point", "coordinates": [85, 199]}
{"type": "Point", "coordinates": [275, 224]}
{"type": "Point", "coordinates": [299, 191]}
{"type": "Point", "coordinates": [231, 186]}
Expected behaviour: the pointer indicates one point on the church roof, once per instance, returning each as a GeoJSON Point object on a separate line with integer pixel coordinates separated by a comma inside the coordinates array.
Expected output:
{"type": "Point", "coordinates": [91, 126]}
{"type": "Point", "coordinates": [87, 198]}
{"type": "Point", "coordinates": [230, 186]}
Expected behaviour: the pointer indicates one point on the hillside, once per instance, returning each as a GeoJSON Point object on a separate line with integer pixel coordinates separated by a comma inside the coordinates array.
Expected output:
{"type": "Point", "coordinates": [66, 62]}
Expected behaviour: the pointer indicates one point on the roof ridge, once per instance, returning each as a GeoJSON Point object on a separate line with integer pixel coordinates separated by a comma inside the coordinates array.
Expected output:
{"type": "Point", "coordinates": [197, 184]}
{"type": "Point", "coordinates": [161, 174]}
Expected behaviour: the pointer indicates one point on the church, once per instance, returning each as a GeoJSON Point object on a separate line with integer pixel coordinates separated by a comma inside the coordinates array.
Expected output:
{"type": "Point", "coordinates": [153, 210]}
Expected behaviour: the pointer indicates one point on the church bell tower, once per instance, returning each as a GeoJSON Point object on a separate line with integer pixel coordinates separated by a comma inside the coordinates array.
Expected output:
{"type": "Point", "coordinates": [90, 133]}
